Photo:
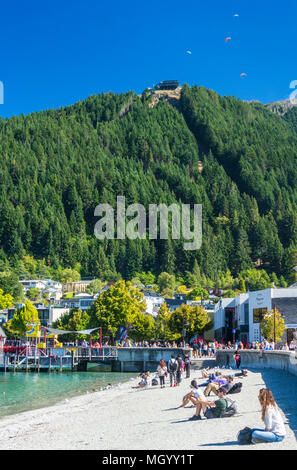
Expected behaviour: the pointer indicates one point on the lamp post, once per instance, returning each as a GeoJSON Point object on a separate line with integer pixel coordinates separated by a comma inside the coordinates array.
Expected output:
{"type": "Point", "coordinates": [274, 334]}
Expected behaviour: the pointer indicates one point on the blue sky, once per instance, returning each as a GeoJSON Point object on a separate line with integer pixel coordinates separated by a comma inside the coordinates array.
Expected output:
{"type": "Point", "coordinates": [56, 53]}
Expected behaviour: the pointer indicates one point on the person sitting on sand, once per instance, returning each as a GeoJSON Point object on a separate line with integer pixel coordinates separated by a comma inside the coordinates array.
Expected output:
{"type": "Point", "coordinates": [192, 395]}
{"type": "Point", "coordinates": [274, 426]}
{"type": "Point", "coordinates": [143, 383]}
{"type": "Point", "coordinates": [211, 409]}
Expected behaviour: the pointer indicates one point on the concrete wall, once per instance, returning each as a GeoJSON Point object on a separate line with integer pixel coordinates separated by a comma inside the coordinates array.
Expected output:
{"type": "Point", "coordinates": [145, 359]}
{"type": "Point", "coordinates": [256, 359]}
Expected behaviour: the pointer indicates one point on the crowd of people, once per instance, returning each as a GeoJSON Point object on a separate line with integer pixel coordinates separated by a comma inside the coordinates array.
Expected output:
{"type": "Point", "coordinates": [199, 346]}
{"type": "Point", "coordinates": [221, 384]}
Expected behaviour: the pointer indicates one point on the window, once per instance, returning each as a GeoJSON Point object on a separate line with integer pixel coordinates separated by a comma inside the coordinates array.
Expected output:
{"type": "Point", "coordinates": [246, 313]}
{"type": "Point", "coordinates": [258, 314]}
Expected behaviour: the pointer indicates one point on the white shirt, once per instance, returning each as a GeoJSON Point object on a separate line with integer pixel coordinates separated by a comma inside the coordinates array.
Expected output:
{"type": "Point", "coordinates": [274, 421]}
{"type": "Point", "coordinates": [198, 393]}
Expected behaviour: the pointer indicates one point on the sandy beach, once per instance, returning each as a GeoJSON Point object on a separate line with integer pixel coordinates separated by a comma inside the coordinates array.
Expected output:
{"type": "Point", "coordinates": [126, 419]}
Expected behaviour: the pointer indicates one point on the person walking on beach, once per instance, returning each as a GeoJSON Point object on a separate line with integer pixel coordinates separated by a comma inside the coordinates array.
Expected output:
{"type": "Point", "coordinates": [187, 366]}
{"type": "Point", "coordinates": [274, 427]}
{"type": "Point", "coordinates": [179, 370]}
{"type": "Point", "coordinates": [237, 359]}
{"type": "Point", "coordinates": [162, 371]}
{"type": "Point", "coordinates": [172, 369]}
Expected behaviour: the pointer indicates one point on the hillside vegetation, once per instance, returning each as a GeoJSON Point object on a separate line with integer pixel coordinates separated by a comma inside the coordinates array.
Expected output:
{"type": "Point", "coordinates": [57, 166]}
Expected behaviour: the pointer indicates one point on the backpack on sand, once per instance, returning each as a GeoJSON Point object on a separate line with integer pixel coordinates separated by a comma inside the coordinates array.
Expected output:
{"type": "Point", "coordinates": [236, 388]}
{"type": "Point", "coordinates": [231, 409]}
{"type": "Point", "coordinates": [154, 382]}
{"type": "Point", "coordinates": [245, 436]}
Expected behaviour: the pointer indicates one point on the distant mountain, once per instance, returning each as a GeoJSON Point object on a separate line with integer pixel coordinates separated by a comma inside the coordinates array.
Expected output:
{"type": "Point", "coordinates": [237, 159]}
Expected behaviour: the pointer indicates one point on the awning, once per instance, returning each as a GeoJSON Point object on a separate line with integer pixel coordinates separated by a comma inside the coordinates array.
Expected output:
{"type": "Point", "coordinates": [66, 332]}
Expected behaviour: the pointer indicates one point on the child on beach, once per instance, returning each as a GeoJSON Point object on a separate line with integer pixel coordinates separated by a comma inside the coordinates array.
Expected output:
{"type": "Point", "coordinates": [274, 427]}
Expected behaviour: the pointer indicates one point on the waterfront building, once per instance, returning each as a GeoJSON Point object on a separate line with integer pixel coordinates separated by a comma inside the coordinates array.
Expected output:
{"type": "Point", "coordinates": [240, 316]}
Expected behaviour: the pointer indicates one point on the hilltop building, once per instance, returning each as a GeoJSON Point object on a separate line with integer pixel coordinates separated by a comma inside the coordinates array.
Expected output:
{"type": "Point", "coordinates": [167, 85]}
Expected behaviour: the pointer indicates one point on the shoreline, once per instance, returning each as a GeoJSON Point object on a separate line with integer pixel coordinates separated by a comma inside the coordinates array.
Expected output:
{"type": "Point", "coordinates": [129, 419]}
{"type": "Point", "coordinates": [93, 388]}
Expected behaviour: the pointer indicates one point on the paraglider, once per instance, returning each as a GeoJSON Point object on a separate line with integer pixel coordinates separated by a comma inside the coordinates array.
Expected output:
{"type": "Point", "coordinates": [227, 39]}
{"type": "Point", "coordinates": [189, 52]}
{"type": "Point", "coordinates": [236, 15]}
{"type": "Point", "coordinates": [243, 74]}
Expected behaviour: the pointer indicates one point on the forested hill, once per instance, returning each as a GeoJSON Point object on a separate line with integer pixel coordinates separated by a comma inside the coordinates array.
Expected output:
{"type": "Point", "coordinates": [235, 158]}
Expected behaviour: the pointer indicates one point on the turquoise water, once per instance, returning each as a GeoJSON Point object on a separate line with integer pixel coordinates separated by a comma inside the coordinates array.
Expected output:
{"type": "Point", "coordinates": [22, 391]}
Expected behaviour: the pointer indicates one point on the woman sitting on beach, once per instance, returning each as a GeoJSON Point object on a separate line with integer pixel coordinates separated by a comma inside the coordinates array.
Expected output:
{"type": "Point", "coordinates": [143, 383]}
{"type": "Point", "coordinates": [162, 372]}
{"type": "Point", "coordinates": [274, 427]}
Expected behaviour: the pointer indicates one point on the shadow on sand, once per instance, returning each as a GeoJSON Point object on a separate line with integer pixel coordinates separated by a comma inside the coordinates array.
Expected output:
{"type": "Point", "coordinates": [284, 395]}
{"type": "Point", "coordinates": [218, 444]}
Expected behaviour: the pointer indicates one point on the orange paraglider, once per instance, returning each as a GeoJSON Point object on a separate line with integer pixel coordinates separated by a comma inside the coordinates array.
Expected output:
{"type": "Point", "coordinates": [243, 74]}
{"type": "Point", "coordinates": [227, 39]}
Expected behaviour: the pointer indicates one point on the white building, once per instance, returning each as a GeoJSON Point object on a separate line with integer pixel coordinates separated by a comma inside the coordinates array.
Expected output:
{"type": "Point", "coordinates": [241, 316]}
{"type": "Point", "coordinates": [153, 302]}
{"type": "Point", "coordinates": [46, 286]}
{"type": "Point", "coordinates": [33, 283]}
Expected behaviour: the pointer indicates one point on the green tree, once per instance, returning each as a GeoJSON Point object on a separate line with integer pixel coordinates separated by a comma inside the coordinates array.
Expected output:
{"type": "Point", "coordinates": [198, 294]}
{"type": "Point", "coordinates": [22, 317]}
{"type": "Point", "coordinates": [119, 306]}
{"type": "Point", "coordinates": [6, 300]}
{"type": "Point", "coordinates": [166, 281]}
{"type": "Point", "coordinates": [270, 319]}
{"type": "Point", "coordinates": [69, 275]}
{"type": "Point", "coordinates": [193, 318]}
{"type": "Point", "coordinates": [32, 293]}
{"type": "Point", "coordinates": [161, 324]}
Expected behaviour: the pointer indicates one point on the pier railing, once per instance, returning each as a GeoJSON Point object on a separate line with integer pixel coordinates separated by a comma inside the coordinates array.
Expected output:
{"type": "Point", "coordinates": [30, 356]}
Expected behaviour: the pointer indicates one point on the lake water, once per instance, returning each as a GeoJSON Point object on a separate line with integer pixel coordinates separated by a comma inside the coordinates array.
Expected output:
{"type": "Point", "coordinates": [22, 391]}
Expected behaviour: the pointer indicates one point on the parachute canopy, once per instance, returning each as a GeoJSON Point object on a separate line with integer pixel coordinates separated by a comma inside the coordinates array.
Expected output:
{"type": "Point", "coordinates": [243, 74]}
{"type": "Point", "coordinates": [227, 39]}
